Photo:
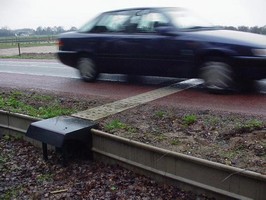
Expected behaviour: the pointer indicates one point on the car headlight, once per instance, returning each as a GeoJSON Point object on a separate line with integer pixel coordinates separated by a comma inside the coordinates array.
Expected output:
{"type": "Point", "coordinates": [259, 52]}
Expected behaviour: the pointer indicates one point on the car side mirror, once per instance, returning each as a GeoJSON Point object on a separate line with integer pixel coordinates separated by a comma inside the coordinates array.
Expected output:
{"type": "Point", "coordinates": [166, 30]}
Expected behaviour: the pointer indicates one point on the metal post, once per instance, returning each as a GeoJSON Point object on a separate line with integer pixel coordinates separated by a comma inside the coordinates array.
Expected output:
{"type": "Point", "coordinates": [19, 49]}
{"type": "Point", "coordinates": [44, 151]}
{"type": "Point", "coordinates": [64, 155]}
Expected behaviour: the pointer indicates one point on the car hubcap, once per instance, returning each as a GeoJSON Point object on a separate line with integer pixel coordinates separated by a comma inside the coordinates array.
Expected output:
{"type": "Point", "coordinates": [217, 75]}
{"type": "Point", "coordinates": [87, 69]}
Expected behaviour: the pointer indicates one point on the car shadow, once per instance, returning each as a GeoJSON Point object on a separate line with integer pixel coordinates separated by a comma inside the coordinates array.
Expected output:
{"type": "Point", "coordinates": [258, 87]}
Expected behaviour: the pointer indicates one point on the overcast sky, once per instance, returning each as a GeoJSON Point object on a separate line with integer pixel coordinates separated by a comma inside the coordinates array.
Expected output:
{"type": "Point", "coordinates": [33, 13]}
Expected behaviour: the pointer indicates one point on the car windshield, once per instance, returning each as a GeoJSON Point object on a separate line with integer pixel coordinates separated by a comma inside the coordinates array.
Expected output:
{"type": "Point", "coordinates": [185, 19]}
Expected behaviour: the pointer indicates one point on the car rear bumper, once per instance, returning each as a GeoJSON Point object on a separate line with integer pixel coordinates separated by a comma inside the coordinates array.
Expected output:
{"type": "Point", "coordinates": [67, 57]}
{"type": "Point", "coordinates": [250, 67]}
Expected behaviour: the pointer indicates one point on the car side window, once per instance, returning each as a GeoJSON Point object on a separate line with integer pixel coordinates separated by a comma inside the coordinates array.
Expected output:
{"type": "Point", "coordinates": [150, 21]}
{"type": "Point", "coordinates": [132, 24]}
{"type": "Point", "coordinates": [135, 21]}
{"type": "Point", "coordinates": [112, 22]}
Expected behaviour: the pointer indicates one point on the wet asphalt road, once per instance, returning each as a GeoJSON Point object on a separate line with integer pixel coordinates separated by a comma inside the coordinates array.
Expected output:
{"type": "Point", "coordinates": [53, 76]}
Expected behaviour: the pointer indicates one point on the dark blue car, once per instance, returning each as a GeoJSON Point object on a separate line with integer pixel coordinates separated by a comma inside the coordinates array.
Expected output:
{"type": "Point", "coordinates": [168, 42]}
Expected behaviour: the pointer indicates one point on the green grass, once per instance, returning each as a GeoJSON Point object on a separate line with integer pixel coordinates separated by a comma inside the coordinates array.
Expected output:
{"type": "Point", "coordinates": [8, 45]}
{"type": "Point", "coordinates": [175, 142]}
{"type": "Point", "coordinates": [160, 138]}
{"type": "Point", "coordinates": [118, 125]}
{"type": "Point", "coordinates": [28, 55]}
{"type": "Point", "coordinates": [249, 126]}
{"type": "Point", "coordinates": [189, 119]}
{"type": "Point", "coordinates": [212, 121]}
{"type": "Point", "coordinates": [31, 56]}
{"type": "Point", "coordinates": [31, 44]}
{"type": "Point", "coordinates": [30, 41]}
{"type": "Point", "coordinates": [160, 114]}
{"type": "Point", "coordinates": [17, 102]}
{"type": "Point", "coordinates": [232, 154]}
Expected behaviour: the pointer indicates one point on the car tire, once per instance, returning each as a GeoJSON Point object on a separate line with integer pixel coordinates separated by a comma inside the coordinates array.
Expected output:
{"type": "Point", "coordinates": [217, 76]}
{"type": "Point", "coordinates": [87, 69]}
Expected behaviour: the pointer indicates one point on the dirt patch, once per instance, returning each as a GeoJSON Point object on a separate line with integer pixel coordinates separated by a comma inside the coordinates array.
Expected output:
{"type": "Point", "coordinates": [232, 139]}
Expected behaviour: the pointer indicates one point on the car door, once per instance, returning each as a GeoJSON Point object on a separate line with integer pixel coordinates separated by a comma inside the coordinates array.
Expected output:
{"type": "Point", "coordinates": [132, 45]}
{"type": "Point", "coordinates": [112, 51]}
{"type": "Point", "coordinates": [133, 49]}
{"type": "Point", "coordinates": [165, 54]}
{"type": "Point", "coordinates": [136, 49]}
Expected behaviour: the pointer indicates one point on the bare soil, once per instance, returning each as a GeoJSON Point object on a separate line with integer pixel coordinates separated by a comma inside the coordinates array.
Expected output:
{"type": "Point", "coordinates": [24, 175]}
{"type": "Point", "coordinates": [233, 139]}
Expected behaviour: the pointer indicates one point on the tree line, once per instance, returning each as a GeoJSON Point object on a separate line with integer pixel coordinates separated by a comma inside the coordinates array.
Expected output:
{"type": "Point", "coordinates": [253, 29]}
{"type": "Point", "coordinates": [5, 31]}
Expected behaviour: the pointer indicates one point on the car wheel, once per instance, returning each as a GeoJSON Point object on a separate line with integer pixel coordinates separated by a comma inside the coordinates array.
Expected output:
{"type": "Point", "coordinates": [87, 69]}
{"type": "Point", "coordinates": [217, 76]}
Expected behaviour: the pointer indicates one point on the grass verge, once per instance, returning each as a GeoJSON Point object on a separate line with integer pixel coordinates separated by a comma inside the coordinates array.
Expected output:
{"type": "Point", "coordinates": [31, 44]}
{"type": "Point", "coordinates": [42, 106]}
{"type": "Point", "coordinates": [31, 56]}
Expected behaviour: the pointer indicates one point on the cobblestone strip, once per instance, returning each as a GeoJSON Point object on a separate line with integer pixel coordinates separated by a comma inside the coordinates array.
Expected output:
{"type": "Point", "coordinates": [131, 102]}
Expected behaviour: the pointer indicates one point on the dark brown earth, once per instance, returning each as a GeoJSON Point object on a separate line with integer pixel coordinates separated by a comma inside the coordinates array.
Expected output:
{"type": "Point", "coordinates": [24, 175]}
{"type": "Point", "coordinates": [233, 139]}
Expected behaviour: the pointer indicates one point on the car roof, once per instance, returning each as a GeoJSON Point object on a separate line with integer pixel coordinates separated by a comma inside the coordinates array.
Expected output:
{"type": "Point", "coordinates": [145, 8]}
